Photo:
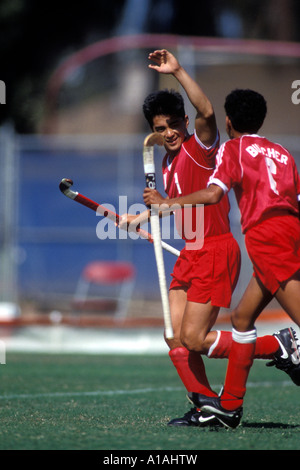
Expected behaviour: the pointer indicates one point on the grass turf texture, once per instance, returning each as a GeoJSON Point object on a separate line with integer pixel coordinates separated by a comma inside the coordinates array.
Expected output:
{"type": "Point", "coordinates": [76, 402]}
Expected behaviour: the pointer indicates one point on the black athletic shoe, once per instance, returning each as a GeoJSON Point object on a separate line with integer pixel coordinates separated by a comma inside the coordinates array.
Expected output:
{"type": "Point", "coordinates": [186, 419]}
{"type": "Point", "coordinates": [230, 419]}
{"type": "Point", "coordinates": [287, 358]}
{"type": "Point", "coordinates": [195, 417]}
{"type": "Point", "coordinates": [203, 419]}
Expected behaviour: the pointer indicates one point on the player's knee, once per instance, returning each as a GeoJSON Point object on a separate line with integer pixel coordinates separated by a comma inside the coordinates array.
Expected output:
{"type": "Point", "coordinates": [192, 342]}
{"type": "Point", "coordinates": [240, 321]}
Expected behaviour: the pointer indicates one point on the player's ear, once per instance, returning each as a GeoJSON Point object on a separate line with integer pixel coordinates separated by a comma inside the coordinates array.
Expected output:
{"type": "Point", "coordinates": [228, 126]}
{"type": "Point", "coordinates": [187, 121]}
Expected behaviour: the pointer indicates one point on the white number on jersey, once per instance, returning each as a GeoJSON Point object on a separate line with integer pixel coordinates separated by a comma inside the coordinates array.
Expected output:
{"type": "Point", "coordinates": [272, 170]}
{"type": "Point", "coordinates": [177, 183]}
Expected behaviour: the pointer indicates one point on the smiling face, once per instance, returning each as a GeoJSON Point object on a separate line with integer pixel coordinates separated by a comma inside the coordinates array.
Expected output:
{"type": "Point", "coordinates": [174, 131]}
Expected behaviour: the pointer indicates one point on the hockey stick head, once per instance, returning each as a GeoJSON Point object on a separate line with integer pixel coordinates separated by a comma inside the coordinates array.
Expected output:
{"type": "Point", "coordinates": [155, 138]}
{"type": "Point", "coordinates": [65, 185]}
{"type": "Point", "coordinates": [148, 156]}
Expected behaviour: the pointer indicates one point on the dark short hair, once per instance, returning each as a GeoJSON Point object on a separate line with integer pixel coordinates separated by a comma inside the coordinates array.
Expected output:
{"type": "Point", "coordinates": [163, 102]}
{"type": "Point", "coordinates": [246, 110]}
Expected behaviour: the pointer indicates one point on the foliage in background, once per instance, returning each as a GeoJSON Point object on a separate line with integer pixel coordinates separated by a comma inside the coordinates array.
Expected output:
{"type": "Point", "coordinates": [35, 36]}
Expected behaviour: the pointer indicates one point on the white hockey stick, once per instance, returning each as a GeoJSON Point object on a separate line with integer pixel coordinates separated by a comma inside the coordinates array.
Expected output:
{"type": "Point", "coordinates": [149, 169]}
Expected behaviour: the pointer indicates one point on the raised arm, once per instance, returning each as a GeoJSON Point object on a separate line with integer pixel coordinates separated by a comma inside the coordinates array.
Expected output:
{"type": "Point", "coordinates": [205, 121]}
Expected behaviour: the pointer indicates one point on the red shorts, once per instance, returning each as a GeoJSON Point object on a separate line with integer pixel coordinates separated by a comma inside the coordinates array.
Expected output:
{"type": "Point", "coordinates": [274, 249]}
{"type": "Point", "coordinates": [210, 273]}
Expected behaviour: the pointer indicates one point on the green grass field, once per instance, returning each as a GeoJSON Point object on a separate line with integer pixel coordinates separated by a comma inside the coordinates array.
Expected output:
{"type": "Point", "coordinates": [76, 402]}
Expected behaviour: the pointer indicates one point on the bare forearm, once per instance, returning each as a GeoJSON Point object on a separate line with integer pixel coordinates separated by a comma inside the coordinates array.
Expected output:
{"type": "Point", "coordinates": [211, 195]}
{"type": "Point", "coordinates": [205, 120]}
{"type": "Point", "coordinates": [195, 93]}
{"type": "Point", "coordinates": [204, 196]}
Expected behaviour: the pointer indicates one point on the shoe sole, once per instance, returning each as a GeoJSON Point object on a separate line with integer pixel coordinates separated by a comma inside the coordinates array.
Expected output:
{"type": "Point", "coordinates": [296, 355]}
{"type": "Point", "coordinates": [294, 370]}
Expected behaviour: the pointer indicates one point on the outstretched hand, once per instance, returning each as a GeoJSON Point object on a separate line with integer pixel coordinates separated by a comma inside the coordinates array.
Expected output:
{"type": "Point", "coordinates": [164, 60]}
{"type": "Point", "coordinates": [129, 222]}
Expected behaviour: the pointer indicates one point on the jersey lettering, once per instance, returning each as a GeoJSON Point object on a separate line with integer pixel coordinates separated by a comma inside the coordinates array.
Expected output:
{"type": "Point", "coordinates": [255, 150]}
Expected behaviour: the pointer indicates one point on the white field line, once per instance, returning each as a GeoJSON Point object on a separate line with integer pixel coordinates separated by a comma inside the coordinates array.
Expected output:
{"type": "Point", "coordinates": [105, 393]}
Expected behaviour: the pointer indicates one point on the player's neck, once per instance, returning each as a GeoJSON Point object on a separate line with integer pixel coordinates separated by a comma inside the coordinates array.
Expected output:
{"type": "Point", "coordinates": [170, 157]}
{"type": "Point", "coordinates": [233, 134]}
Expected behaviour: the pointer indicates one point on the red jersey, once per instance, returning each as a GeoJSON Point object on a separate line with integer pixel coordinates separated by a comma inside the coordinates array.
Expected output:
{"type": "Point", "coordinates": [263, 175]}
{"type": "Point", "coordinates": [188, 172]}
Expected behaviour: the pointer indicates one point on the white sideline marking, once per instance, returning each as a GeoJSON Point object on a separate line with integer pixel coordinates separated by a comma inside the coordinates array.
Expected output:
{"type": "Point", "coordinates": [104, 393]}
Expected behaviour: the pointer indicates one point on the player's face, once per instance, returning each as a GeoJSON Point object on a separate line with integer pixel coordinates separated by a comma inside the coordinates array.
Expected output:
{"type": "Point", "coordinates": [174, 130]}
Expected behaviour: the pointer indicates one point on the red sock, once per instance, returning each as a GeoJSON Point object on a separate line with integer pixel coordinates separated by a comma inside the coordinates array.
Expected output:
{"type": "Point", "coordinates": [220, 349]}
{"type": "Point", "coordinates": [239, 364]}
{"type": "Point", "coordinates": [265, 348]}
{"type": "Point", "coordinates": [190, 368]}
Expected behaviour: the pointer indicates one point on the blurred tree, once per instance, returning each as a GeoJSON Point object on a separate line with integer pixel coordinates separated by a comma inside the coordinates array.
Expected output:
{"type": "Point", "coordinates": [188, 18]}
{"type": "Point", "coordinates": [259, 19]}
{"type": "Point", "coordinates": [34, 34]}
{"type": "Point", "coordinates": [278, 19]}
